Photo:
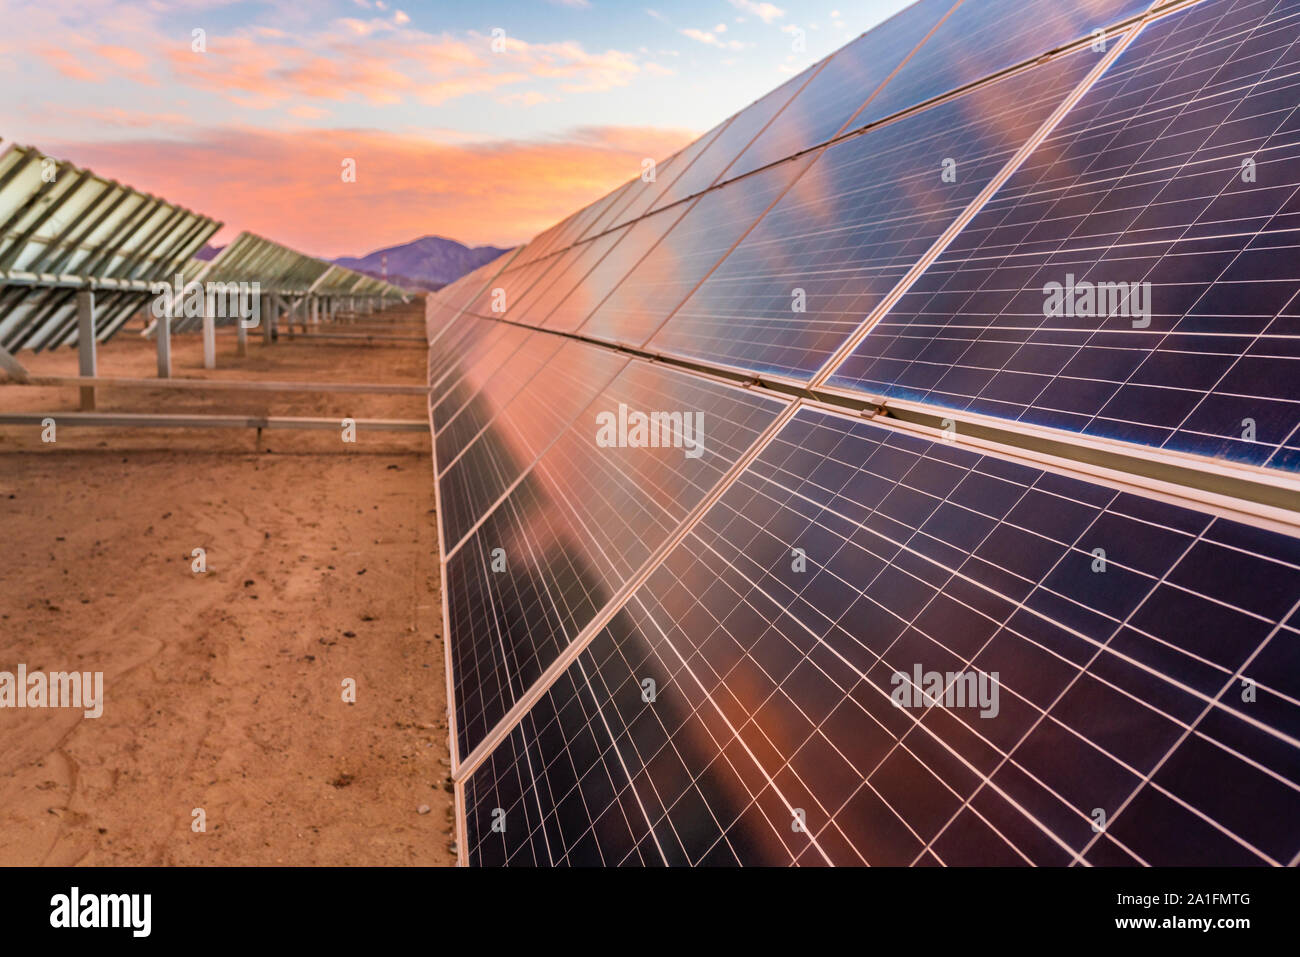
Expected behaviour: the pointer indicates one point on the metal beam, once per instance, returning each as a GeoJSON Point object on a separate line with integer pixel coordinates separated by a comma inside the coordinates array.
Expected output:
{"type": "Point", "coordinates": [133, 420]}
{"type": "Point", "coordinates": [229, 385]}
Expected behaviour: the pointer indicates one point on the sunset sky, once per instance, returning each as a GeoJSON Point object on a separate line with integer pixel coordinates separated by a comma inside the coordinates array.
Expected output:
{"type": "Point", "coordinates": [449, 137]}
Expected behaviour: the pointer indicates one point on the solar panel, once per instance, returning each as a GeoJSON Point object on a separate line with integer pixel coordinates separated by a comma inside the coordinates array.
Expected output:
{"type": "Point", "coordinates": [775, 694]}
{"type": "Point", "coordinates": [704, 234]}
{"type": "Point", "coordinates": [643, 194]}
{"type": "Point", "coordinates": [472, 481]}
{"type": "Point", "coordinates": [951, 581]}
{"type": "Point", "coordinates": [1142, 183]}
{"type": "Point", "coordinates": [854, 225]}
{"type": "Point", "coordinates": [624, 247]}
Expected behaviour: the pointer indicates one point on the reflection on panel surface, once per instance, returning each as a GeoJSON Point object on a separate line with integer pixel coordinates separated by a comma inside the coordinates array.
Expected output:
{"type": "Point", "coordinates": [855, 223]}
{"type": "Point", "coordinates": [624, 248]}
{"type": "Point", "coordinates": [799, 636]}
{"type": "Point", "coordinates": [1141, 183]}
{"type": "Point", "coordinates": [732, 140]}
{"type": "Point", "coordinates": [982, 37]}
{"type": "Point", "coordinates": [477, 476]}
{"type": "Point", "coordinates": [699, 239]}
{"type": "Point", "coordinates": [774, 686]}
{"type": "Point", "coordinates": [579, 522]}
{"type": "Point", "coordinates": [835, 94]}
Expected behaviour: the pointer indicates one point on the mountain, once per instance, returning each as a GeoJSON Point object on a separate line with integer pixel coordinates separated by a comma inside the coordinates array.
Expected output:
{"type": "Point", "coordinates": [427, 263]}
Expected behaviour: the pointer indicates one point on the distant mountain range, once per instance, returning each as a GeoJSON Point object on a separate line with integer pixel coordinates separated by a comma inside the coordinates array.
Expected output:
{"type": "Point", "coordinates": [427, 263]}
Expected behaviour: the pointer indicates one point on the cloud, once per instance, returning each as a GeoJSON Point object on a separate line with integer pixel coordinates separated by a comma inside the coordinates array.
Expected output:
{"type": "Point", "coordinates": [531, 98]}
{"type": "Point", "coordinates": [67, 64]}
{"type": "Point", "coordinates": [764, 11]}
{"type": "Point", "coordinates": [711, 39]}
{"type": "Point", "coordinates": [344, 62]}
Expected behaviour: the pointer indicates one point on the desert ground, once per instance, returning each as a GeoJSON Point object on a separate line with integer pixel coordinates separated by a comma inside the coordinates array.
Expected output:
{"type": "Point", "coordinates": [223, 690]}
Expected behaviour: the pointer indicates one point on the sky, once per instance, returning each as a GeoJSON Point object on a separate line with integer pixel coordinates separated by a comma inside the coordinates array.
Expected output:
{"type": "Point", "coordinates": [480, 120]}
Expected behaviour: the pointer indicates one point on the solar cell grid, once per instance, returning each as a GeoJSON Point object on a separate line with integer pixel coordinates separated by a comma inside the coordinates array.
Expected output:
{"type": "Point", "coordinates": [597, 776]}
{"type": "Point", "coordinates": [1142, 183]}
{"type": "Point", "coordinates": [500, 386]}
{"type": "Point", "coordinates": [476, 369]}
{"type": "Point", "coordinates": [611, 205]}
{"type": "Point", "coordinates": [598, 511]}
{"type": "Point", "coordinates": [642, 195]}
{"type": "Point", "coordinates": [703, 235]}
{"type": "Point", "coordinates": [624, 247]}
{"type": "Point", "coordinates": [572, 265]}
{"type": "Point", "coordinates": [475, 477]}
{"type": "Point", "coordinates": [982, 37]}
{"type": "Point", "coordinates": [500, 295]}
{"type": "Point", "coordinates": [490, 340]}
{"type": "Point", "coordinates": [444, 351]}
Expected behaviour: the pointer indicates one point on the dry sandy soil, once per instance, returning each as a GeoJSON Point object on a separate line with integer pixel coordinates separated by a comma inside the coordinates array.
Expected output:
{"type": "Point", "coordinates": [223, 690]}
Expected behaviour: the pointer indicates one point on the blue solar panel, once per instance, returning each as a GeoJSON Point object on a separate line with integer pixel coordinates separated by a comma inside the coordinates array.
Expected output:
{"type": "Point", "coordinates": [855, 223]}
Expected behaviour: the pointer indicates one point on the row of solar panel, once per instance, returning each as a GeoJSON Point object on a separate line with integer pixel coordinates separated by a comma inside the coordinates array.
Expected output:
{"type": "Point", "coordinates": [773, 675]}
{"type": "Point", "coordinates": [64, 229]}
{"type": "Point", "coordinates": [1173, 180]}
{"type": "Point", "coordinates": [731, 606]}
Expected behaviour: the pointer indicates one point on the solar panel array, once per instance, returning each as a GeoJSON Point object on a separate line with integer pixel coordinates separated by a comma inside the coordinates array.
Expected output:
{"type": "Point", "coordinates": [720, 588]}
{"type": "Point", "coordinates": [64, 230]}
{"type": "Point", "coordinates": [281, 271]}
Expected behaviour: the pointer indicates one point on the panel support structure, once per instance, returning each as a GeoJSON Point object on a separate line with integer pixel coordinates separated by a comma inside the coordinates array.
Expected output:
{"type": "Point", "coordinates": [163, 333]}
{"type": "Point", "coordinates": [12, 366]}
{"type": "Point", "coordinates": [86, 359]}
{"type": "Point", "coordinates": [210, 335]}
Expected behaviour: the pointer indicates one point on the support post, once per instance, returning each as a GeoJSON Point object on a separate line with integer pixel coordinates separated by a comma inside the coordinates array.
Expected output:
{"type": "Point", "coordinates": [270, 303]}
{"type": "Point", "coordinates": [86, 363]}
{"type": "Point", "coordinates": [163, 333]}
{"type": "Point", "coordinates": [241, 334]}
{"type": "Point", "coordinates": [210, 331]}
